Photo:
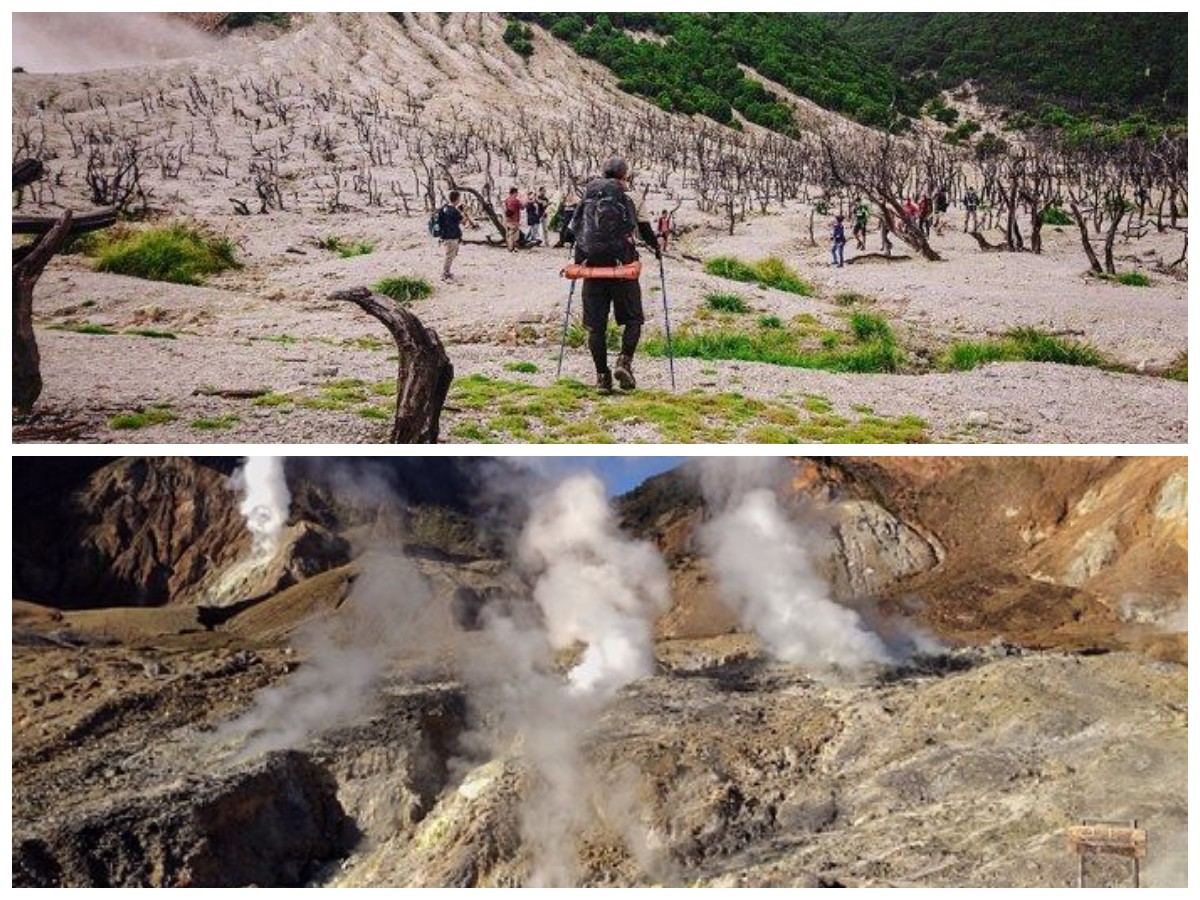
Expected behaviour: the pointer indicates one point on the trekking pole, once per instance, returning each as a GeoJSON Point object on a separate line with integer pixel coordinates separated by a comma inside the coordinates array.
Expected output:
{"type": "Point", "coordinates": [662, 276]}
{"type": "Point", "coordinates": [562, 347]}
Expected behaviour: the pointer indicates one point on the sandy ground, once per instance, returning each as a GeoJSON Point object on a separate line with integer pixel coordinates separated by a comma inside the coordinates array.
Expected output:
{"type": "Point", "coordinates": [270, 326]}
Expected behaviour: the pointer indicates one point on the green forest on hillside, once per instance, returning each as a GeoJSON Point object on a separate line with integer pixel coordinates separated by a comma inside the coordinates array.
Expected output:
{"type": "Point", "coordinates": [882, 68]}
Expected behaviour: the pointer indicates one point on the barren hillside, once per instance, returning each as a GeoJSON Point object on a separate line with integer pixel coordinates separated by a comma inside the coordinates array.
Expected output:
{"type": "Point", "coordinates": [345, 126]}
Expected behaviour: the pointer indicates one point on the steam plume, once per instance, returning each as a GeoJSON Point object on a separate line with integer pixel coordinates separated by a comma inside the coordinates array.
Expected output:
{"type": "Point", "coordinates": [81, 42]}
{"type": "Point", "coordinates": [265, 503]}
{"type": "Point", "coordinates": [766, 574]}
{"type": "Point", "coordinates": [594, 585]}
{"type": "Point", "coordinates": [389, 614]}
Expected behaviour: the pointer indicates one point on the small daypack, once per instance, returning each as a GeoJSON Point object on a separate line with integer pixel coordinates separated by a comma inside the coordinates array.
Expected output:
{"type": "Point", "coordinates": [606, 225]}
{"type": "Point", "coordinates": [435, 225]}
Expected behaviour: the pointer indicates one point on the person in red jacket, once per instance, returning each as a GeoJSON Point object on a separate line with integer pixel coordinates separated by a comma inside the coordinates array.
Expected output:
{"type": "Point", "coordinates": [512, 218]}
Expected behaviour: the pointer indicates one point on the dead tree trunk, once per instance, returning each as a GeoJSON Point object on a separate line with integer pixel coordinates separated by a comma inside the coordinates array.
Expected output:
{"type": "Point", "coordinates": [425, 371]}
{"type": "Point", "coordinates": [1081, 223]}
{"type": "Point", "coordinates": [27, 362]}
{"type": "Point", "coordinates": [29, 261]}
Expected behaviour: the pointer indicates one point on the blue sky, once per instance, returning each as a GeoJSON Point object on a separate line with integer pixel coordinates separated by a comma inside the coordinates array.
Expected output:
{"type": "Point", "coordinates": [619, 473]}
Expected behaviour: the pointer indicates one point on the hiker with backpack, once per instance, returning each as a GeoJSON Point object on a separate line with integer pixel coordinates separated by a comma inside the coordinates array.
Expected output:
{"type": "Point", "coordinates": [839, 241]}
{"type": "Point", "coordinates": [862, 215]}
{"type": "Point", "coordinates": [512, 219]}
{"type": "Point", "coordinates": [941, 203]}
{"type": "Point", "coordinates": [605, 225]}
{"type": "Point", "coordinates": [971, 204]}
{"type": "Point", "coordinates": [446, 226]}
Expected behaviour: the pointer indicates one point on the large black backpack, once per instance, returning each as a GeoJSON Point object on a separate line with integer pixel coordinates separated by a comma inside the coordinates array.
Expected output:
{"type": "Point", "coordinates": [604, 235]}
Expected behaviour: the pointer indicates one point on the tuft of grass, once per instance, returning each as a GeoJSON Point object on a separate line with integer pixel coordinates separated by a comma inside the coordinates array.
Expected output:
{"type": "Point", "coordinates": [285, 339]}
{"type": "Point", "coordinates": [769, 322]}
{"type": "Point", "coordinates": [365, 343]}
{"type": "Point", "coordinates": [156, 414]}
{"type": "Point", "coordinates": [346, 250]}
{"type": "Point", "coordinates": [404, 288]}
{"type": "Point", "coordinates": [730, 303]}
{"type": "Point", "coordinates": [867, 327]}
{"type": "Point", "coordinates": [214, 423]}
{"type": "Point", "coordinates": [526, 368]}
{"type": "Point", "coordinates": [1020, 344]}
{"type": "Point", "coordinates": [1133, 279]}
{"type": "Point", "coordinates": [84, 328]}
{"type": "Point", "coordinates": [771, 272]}
{"type": "Point", "coordinates": [274, 399]}
{"type": "Point", "coordinates": [852, 298]}
{"type": "Point", "coordinates": [152, 333]}
{"type": "Point", "coordinates": [179, 254]}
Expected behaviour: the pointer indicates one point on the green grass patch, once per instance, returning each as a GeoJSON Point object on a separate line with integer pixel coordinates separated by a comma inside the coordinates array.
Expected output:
{"type": "Point", "coordinates": [346, 250]}
{"type": "Point", "coordinates": [214, 423]}
{"type": "Point", "coordinates": [730, 303]}
{"type": "Point", "coordinates": [1020, 345]}
{"type": "Point", "coordinates": [152, 333]}
{"type": "Point", "coordinates": [769, 322]}
{"type": "Point", "coordinates": [285, 339]}
{"type": "Point", "coordinates": [771, 272]}
{"type": "Point", "coordinates": [365, 343]}
{"type": "Point", "coordinates": [84, 328]}
{"type": "Point", "coordinates": [852, 298]}
{"type": "Point", "coordinates": [156, 414]}
{"type": "Point", "coordinates": [1177, 369]}
{"type": "Point", "coordinates": [526, 368]}
{"type": "Point", "coordinates": [273, 399]}
{"type": "Point", "coordinates": [179, 254]}
{"type": "Point", "coordinates": [1133, 279]}
{"type": "Point", "coordinates": [403, 288]}
{"type": "Point", "coordinates": [375, 413]}
{"type": "Point", "coordinates": [869, 347]}
{"type": "Point", "coordinates": [493, 410]}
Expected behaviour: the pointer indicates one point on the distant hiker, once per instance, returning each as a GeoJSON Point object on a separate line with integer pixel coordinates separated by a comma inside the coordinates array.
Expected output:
{"type": "Point", "coordinates": [663, 230]}
{"type": "Point", "coordinates": [605, 224]}
{"type": "Point", "coordinates": [543, 203]}
{"type": "Point", "coordinates": [1142, 196]}
{"type": "Point", "coordinates": [533, 218]}
{"type": "Point", "coordinates": [449, 223]}
{"type": "Point", "coordinates": [925, 214]}
{"type": "Point", "coordinates": [886, 227]}
{"type": "Point", "coordinates": [566, 212]}
{"type": "Point", "coordinates": [941, 202]}
{"type": "Point", "coordinates": [971, 204]}
{"type": "Point", "coordinates": [839, 241]}
{"type": "Point", "coordinates": [911, 210]}
{"type": "Point", "coordinates": [862, 214]}
{"type": "Point", "coordinates": [512, 219]}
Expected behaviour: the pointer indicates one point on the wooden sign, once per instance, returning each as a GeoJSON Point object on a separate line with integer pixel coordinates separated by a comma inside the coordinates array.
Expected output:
{"type": "Point", "coordinates": [1116, 840]}
{"type": "Point", "coordinates": [1128, 841]}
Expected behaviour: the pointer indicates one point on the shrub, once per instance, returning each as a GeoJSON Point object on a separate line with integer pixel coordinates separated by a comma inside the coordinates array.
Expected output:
{"type": "Point", "coordinates": [179, 254]}
{"type": "Point", "coordinates": [730, 303]}
{"type": "Point", "coordinates": [733, 269]}
{"type": "Point", "coordinates": [867, 327]}
{"type": "Point", "coordinates": [1133, 279]}
{"type": "Point", "coordinates": [769, 322]}
{"type": "Point", "coordinates": [248, 19]}
{"type": "Point", "coordinates": [1053, 215]}
{"type": "Point", "coordinates": [403, 288]}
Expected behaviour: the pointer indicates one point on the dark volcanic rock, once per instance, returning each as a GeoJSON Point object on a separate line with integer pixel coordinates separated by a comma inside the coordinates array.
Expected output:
{"type": "Point", "coordinates": [272, 823]}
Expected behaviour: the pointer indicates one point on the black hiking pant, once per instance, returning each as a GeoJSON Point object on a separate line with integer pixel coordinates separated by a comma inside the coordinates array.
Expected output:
{"type": "Point", "coordinates": [624, 297]}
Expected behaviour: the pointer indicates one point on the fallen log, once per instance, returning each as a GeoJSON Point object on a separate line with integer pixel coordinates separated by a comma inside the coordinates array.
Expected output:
{"type": "Point", "coordinates": [424, 370]}
{"type": "Point", "coordinates": [878, 257]}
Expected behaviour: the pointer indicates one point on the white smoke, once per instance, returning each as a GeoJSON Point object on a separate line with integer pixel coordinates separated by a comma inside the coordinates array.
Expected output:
{"type": "Point", "coordinates": [388, 615]}
{"type": "Point", "coordinates": [265, 503]}
{"type": "Point", "coordinates": [82, 42]}
{"type": "Point", "coordinates": [594, 585]}
{"type": "Point", "coordinates": [765, 573]}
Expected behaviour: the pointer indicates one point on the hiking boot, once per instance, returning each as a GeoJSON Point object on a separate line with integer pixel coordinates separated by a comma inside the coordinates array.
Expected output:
{"type": "Point", "coordinates": [604, 382]}
{"type": "Point", "coordinates": [624, 372]}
